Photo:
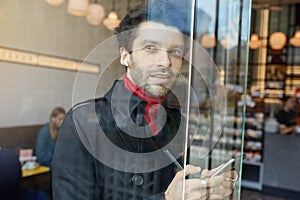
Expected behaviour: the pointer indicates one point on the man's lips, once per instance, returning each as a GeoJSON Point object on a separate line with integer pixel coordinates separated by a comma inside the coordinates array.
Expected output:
{"type": "Point", "coordinates": [160, 78]}
{"type": "Point", "coordinates": [161, 75]}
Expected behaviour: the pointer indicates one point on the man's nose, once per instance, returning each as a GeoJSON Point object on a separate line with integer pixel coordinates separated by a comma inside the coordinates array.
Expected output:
{"type": "Point", "coordinates": [164, 59]}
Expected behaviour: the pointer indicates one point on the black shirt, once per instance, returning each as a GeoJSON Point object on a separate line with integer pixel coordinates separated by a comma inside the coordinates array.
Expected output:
{"type": "Point", "coordinates": [286, 118]}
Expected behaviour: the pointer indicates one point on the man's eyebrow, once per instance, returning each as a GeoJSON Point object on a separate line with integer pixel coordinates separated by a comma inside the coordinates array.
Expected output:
{"type": "Point", "coordinates": [181, 47]}
{"type": "Point", "coordinates": [147, 41]}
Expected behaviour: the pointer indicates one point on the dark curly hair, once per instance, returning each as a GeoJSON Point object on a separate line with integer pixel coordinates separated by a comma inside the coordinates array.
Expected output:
{"type": "Point", "coordinates": [168, 12]}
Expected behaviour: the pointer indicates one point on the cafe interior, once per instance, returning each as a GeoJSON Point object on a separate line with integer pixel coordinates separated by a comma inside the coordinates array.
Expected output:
{"type": "Point", "coordinates": [58, 53]}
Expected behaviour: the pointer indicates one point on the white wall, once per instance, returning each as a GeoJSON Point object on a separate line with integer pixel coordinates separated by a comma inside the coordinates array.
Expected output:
{"type": "Point", "coordinates": [29, 93]}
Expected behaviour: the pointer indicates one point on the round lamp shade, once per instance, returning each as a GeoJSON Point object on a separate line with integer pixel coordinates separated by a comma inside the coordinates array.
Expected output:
{"type": "Point", "coordinates": [112, 21]}
{"type": "Point", "coordinates": [297, 34]}
{"type": "Point", "coordinates": [277, 40]}
{"type": "Point", "coordinates": [254, 41]}
{"type": "Point", "coordinates": [78, 7]}
{"type": "Point", "coordinates": [95, 14]}
{"type": "Point", "coordinates": [208, 41]}
{"type": "Point", "coordinates": [54, 2]}
{"type": "Point", "coordinates": [295, 41]}
{"type": "Point", "coordinates": [228, 42]}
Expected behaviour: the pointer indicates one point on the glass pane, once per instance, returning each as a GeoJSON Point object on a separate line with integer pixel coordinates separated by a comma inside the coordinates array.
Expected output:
{"type": "Point", "coordinates": [202, 124]}
{"type": "Point", "coordinates": [164, 92]}
{"type": "Point", "coordinates": [222, 28]}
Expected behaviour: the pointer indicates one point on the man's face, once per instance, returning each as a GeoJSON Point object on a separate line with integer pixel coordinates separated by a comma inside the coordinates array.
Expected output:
{"type": "Point", "coordinates": [156, 57]}
{"type": "Point", "coordinates": [291, 103]}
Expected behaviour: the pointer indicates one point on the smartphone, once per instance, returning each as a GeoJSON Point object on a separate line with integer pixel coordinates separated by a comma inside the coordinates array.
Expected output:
{"type": "Point", "coordinates": [234, 163]}
{"type": "Point", "coordinates": [221, 169]}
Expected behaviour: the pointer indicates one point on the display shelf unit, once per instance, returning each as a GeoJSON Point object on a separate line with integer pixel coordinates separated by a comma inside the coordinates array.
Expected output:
{"type": "Point", "coordinates": [229, 142]}
{"type": "Point", "coordinates": [253, 145]}
{"type": "Point", "coordinates": [273, 74]}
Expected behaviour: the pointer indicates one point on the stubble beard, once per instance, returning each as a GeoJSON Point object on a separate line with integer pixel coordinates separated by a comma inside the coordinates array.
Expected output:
{"type": "Point", "coordinates": [140, 78]}
{"type": "Point", "coordinates": [156, 90]}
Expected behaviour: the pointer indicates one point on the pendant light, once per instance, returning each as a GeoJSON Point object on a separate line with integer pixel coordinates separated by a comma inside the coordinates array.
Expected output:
{"type": "Point", "coordinates": [255, 41]}
{"type": "Point", "coordinates": [95, 14]}
{"type": "Point", "coordinates": [112, 21]}
{"type": "Point", "coordinates": [295, 41]}
{"type": "Point", "coordinates": [277, 39]}
{"type": "Point", "coordinates": [208, 41]}
{"type": "Point", "coordinates": [228, 42]}
{"type": "Point", "coordinates": [54, 2]}
{"type": "Point", "coordinates": [78, 7]}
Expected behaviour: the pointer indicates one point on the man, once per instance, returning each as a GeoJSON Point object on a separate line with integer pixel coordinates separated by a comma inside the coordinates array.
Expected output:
{"type": "Point", "coordinates": [287, 115]}
{"type": "Point", "coordinates": [111, 147]}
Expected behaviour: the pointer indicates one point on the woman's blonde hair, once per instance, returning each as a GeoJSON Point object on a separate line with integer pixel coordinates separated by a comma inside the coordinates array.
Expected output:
{"type": "Point", "coordinates": [53, 129]}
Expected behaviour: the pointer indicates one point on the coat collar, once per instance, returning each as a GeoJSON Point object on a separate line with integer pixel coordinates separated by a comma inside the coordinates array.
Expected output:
{"type": "Point", "coordinates": [120, 97]}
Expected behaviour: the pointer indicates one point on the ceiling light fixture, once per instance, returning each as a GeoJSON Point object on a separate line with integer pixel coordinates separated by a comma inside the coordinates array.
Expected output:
{"type": "Point", "coordinates": [95, 14]}
{"type": "Point", "coordinates": [54, 2]}
{"type": "Point", "coordinates": [295, 41]}
{"type": "Point", "coordinates": [112, 21]}
{"type": "Point", "coordinates": [228, 42]}
{"type": "Point", "coordinates": [78, 7]}
{"type": "Point", "coordinates": [255, 41]}
{"type": "Point", "coordinates": [208, 41]}
{"type": "Point", "coordinates": [277, 40]}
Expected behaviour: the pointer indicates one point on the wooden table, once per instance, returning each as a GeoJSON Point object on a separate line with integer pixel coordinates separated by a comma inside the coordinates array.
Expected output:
{"type": "Point", "coordinates": [32, 172]}
{"type": "Point", "coordinates": [38, 179]}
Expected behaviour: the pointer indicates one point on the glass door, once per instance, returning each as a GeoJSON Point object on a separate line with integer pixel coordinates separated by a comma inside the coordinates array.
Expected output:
{"type": "Point", "coordinates": [219, 79]}
{"type": "Point", "coordinates": [202, 122]}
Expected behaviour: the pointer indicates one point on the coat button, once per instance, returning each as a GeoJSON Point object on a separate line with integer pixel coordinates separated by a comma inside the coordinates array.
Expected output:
{"type": "Point", "coordinates": [137, 180]}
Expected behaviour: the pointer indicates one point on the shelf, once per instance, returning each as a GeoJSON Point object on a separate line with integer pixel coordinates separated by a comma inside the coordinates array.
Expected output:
{"type": "Point", "coordinates": [257, 139]}
{"type": "Point", "coordinates": [292, 76]}
{"type": "Point", "coordinates": [273, 100]}
{"type": "Point", "coordinates": [248, 162]}
{"type": "Point", "coordinates": [227, 144]}
{"type": "Point", "coordinates": [199, 137]}
{"type": "Point", "coordinates": [233, 143]}
{"type": "Point", "coordinates": [255, 134]}
{"type": "Point", "coordinates": [253, 157]}
{"type": "Point", "coordinates": [273, 88]}
{"type": "Point", "coordinates": [274, 93]}
{"type": "Point", "coordinates": [246, 149]}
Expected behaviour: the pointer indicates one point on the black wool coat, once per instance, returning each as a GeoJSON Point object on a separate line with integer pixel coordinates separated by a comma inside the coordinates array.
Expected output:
{"type": "Point", "coordinates": [106, 150]}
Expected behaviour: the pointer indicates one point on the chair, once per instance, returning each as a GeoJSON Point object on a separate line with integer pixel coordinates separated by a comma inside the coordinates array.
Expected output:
{"type": "Point", "coordinates": [11, 181]}
{"type": "Point", "coordinates": [10, 175]}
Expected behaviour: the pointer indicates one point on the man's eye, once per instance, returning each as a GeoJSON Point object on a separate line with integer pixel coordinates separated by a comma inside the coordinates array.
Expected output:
{"type": "Point", "coordinates": [150, 48]}
{"type": "Point", "coordinates": [176, 52]}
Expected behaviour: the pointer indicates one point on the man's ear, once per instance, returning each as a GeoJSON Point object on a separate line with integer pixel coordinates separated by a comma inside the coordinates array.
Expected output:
{"type": "Point", "coordinates": [124, 60]}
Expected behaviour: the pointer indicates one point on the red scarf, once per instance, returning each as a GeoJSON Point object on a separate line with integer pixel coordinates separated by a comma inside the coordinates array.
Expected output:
{"type": "Point", "coordinates": [153, 103]}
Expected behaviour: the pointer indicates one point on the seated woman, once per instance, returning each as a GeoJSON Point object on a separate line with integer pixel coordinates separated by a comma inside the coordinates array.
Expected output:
{"type": "Point", "coordinates": [286, 116]}
{"type": "Point", "coordinates": [47, 137]}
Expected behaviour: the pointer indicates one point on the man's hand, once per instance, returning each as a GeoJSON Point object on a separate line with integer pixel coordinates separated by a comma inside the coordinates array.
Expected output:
{"type": "Point", "coordinates": [217, 187]}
